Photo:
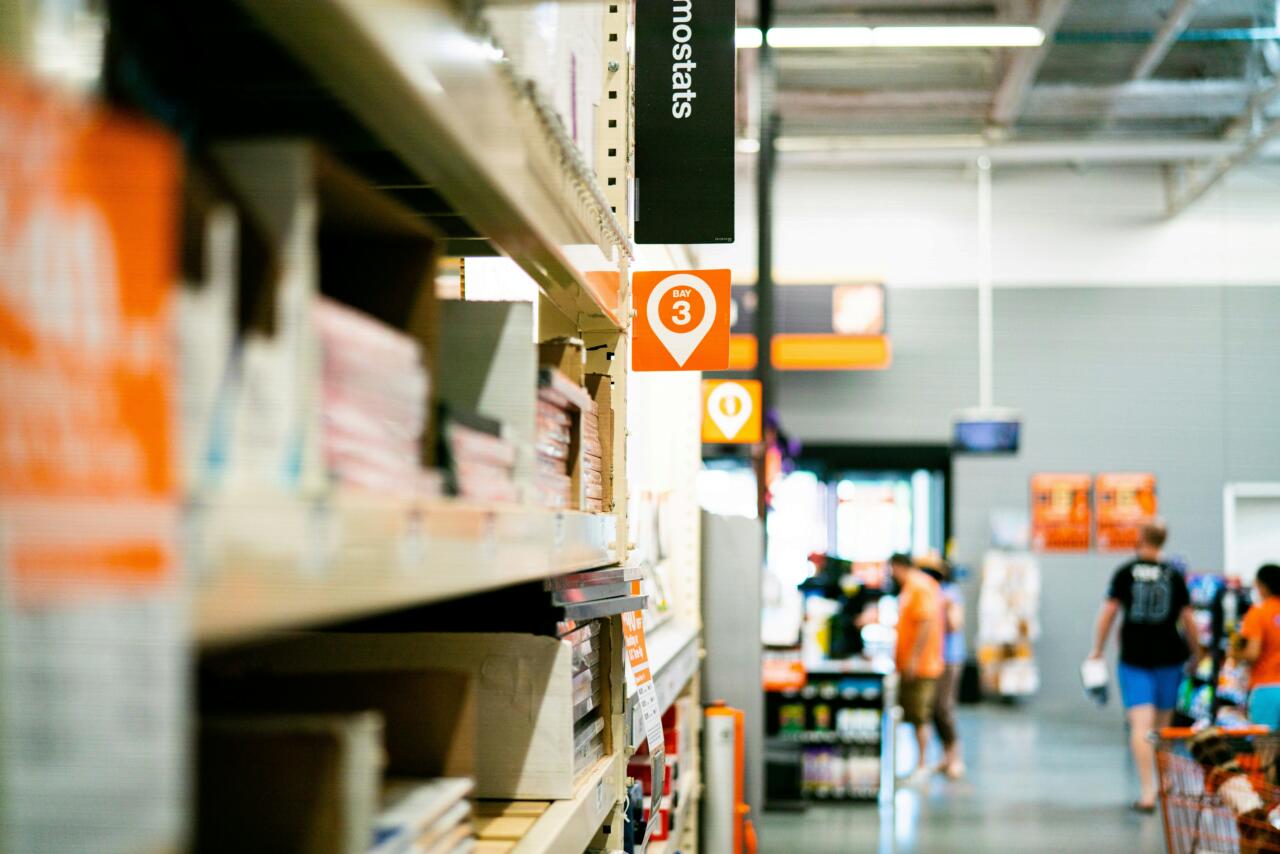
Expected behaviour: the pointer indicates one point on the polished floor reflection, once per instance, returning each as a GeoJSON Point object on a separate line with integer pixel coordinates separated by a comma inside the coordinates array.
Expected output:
{"type": "Point", "coordinates": [1037, 782]}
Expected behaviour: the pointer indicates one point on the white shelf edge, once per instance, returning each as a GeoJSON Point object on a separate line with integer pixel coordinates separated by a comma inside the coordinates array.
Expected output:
{"type": "Point", "coordinates": [689, 793]}
{"type": "Point", "coordinates": [569, 825]}
{"type": "Point", "coordinates": [262, 564]}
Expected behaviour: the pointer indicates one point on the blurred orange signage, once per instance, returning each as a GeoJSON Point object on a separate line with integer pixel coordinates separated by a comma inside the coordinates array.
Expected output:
{"type": "Point", "coordinates": [87, 226]}
{"type": "Point", "coordinates": [682, 320]}
{"type": "Point", "coordinates": [1060, 512]}
{"type": "Point", "coordinates": [1125, 502]}
{"type": "Point", "coordinates": [731, 411]}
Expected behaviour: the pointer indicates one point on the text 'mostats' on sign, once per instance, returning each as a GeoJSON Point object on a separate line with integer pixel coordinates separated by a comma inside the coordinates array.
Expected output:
{"type": "Point", "coordinates": [681, 320]}
{"type": "Point", "coordinates": [684, 115]}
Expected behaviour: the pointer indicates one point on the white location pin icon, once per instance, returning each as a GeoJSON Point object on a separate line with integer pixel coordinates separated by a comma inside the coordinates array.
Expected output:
{"type": "Point", "coordinates": [729, 406]}
{"type": "Point", "coordinates": [681, 344]}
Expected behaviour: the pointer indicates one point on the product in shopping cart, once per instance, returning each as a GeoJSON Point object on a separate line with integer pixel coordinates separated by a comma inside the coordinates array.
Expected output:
{"type": "Point", "coordinates": [1219, 790]}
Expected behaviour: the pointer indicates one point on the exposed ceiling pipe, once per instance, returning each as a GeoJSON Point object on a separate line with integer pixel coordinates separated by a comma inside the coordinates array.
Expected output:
{"type": "Point", "coordinates": [1165, 38]}
{"type": "Point", "coordinates": [1226, 34]}
{"type": "Point", "coordinates": [1143, 99]}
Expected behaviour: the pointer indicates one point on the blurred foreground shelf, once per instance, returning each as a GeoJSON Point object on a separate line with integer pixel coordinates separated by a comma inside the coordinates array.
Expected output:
{"type": "Point", "coordinates": [525, 827]}
{"type": "Point", "coordinates": [444, 100]}
{"type": "Point", "coordinates": [269, 563]}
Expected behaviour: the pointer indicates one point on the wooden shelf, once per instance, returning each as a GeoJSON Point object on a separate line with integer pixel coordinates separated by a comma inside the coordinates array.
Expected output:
{"type": "Point", "coordinates": [689, 795]}
{"type": "Point", "coordinates": [444, 101]}
{"type": "Point", "coordinates": [556, 826]}
{"type": "Point", "coordinates": [265, 563]}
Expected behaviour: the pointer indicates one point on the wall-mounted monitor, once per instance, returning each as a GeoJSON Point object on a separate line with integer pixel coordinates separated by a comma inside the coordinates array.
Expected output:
{"type": "Point", "coordinates": [986, 431]}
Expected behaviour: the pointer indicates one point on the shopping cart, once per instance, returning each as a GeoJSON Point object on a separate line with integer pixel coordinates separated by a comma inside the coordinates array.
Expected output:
{"type": "Point", "coordinates": [1219, 788]}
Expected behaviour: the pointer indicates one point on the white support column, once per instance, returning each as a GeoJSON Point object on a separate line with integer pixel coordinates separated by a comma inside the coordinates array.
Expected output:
{"type": "Point", "coordinates": [986, 365]}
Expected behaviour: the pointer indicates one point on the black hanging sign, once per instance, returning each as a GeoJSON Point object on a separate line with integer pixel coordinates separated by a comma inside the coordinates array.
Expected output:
{"type": "Point", "coordinates": [684, 88]}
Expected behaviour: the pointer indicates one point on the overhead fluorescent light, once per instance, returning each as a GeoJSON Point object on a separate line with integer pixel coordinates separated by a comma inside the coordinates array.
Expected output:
{"type": "Point", "coordinates": [1008, 36]}
{"type": "Point", "coordinates": [845, 37]}
{"type": "Point", "coordinates": [820, 37]}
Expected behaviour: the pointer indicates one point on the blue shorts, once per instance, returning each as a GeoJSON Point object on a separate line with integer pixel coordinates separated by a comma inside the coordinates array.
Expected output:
{"type": "Point", "coordinates": [1150, 686]}
{"type": "Point", "coordinates": [1264, 706]}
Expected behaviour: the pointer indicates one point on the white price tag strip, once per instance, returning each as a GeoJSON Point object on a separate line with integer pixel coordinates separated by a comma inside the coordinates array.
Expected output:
{"type": "Point", "coordinates": [650, 713]}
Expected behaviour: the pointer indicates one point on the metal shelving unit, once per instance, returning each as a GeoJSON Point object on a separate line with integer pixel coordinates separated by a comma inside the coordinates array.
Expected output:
{"type": "Point", "coordinates": [440, 96]}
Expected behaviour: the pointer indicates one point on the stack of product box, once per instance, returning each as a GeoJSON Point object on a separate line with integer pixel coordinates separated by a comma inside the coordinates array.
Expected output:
{"type": "Point", "coordinates": [562, 405]}
{"type": "Point", "coordinates": [424, 816]}
{"type": "Point", "coordinates": [374, 391]}
{"type": "Point", "coordinates": [479, 461]}
{"type": "Point", "coordinates": [592, 462]}
{"type": "Point", "coordinates": [588, 726]}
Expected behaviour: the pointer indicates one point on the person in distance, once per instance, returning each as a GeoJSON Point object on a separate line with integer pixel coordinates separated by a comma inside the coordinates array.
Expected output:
{"type": "Point", "coordinates": [919, 651]}
{"type": "Point", "coordinates": [1260, 636]}
{"type": "Point", "coordinates": [1153, 652]}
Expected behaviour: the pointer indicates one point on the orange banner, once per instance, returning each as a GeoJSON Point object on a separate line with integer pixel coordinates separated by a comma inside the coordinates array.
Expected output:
{"type": "Point", "coordinates": [1060, 512]}
{"type": "Point", "coordinates": [1125, 502]}
{"type": "Point", "coordinates": [87, 233]}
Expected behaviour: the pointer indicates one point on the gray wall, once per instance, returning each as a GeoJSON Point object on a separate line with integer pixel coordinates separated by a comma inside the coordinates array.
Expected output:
{"type": "Point", "coordinates": [1182, 382]}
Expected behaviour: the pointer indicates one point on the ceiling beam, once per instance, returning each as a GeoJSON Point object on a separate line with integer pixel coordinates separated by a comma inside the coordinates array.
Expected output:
{"type": "Point", "coordinates": [1173, 27]}
{"type": "Point", "coordinates": [1144, 99]}
{"type": "Point", "coordinates": [1025, 65]}
{"type": "Point", "coordinates": [952, 150]}
{"type": "Point", "coordinates": [1187, 184]}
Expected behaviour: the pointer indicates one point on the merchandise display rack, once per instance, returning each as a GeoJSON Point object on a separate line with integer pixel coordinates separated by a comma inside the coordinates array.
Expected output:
{"type": "Point", "coordinates": [813, 727]}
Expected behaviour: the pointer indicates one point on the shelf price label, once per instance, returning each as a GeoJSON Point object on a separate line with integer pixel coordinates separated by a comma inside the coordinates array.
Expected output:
{"type": "Point", "coordinates": [682, 320]}
{"type": "Point", "coordinates": [647, 697]}
{"type": "Point", "coordinates": [731, 411]}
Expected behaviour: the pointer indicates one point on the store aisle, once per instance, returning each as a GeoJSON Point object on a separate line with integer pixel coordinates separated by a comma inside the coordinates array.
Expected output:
{"type": "Point", "coordinates": [1036, 783]}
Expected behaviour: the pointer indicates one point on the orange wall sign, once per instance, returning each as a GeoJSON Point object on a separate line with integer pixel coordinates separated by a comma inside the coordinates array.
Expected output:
{"type": "Point", "coordinates": [731, 411]}
{"type": "Point", "coordinates": [1125, 502]}
{"type": "Point", "coordinates": [1060, 512]}
{"type": "Point", "coordinates": [682, 320]}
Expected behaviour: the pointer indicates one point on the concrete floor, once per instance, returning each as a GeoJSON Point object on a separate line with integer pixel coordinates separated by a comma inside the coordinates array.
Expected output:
{"type": "Point", "coordinates": [1036, 783]}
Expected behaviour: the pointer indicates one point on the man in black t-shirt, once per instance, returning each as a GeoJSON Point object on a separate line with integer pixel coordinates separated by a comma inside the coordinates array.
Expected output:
{"type": "Point", "coordinates": [1153, 653]}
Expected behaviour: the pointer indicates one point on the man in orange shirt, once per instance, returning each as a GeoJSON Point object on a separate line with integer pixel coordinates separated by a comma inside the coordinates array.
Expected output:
{"type": "Point", "coordinates": [919, 652]}
{"type": "Point", "coordinates": [1261, 634]}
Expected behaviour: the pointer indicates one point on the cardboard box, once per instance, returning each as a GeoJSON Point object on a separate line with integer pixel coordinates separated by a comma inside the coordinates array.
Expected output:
{"type": "Point", "coordinates": [429, 716]}
{"type": "Point", "coordinates": [523, 743]}
{"type": "Point", "coordinates": [300, 783]}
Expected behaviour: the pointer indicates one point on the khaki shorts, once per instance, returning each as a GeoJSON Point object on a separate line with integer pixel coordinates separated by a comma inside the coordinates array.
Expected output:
{"type": "Point", "coordinates": [916, 698]}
